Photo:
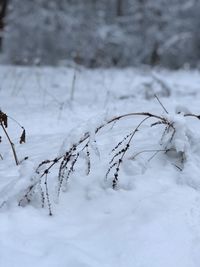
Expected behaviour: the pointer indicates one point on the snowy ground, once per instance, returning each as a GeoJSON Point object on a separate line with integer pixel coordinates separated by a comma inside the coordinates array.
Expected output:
{"type": "Point", "coordinates": [152, 220]}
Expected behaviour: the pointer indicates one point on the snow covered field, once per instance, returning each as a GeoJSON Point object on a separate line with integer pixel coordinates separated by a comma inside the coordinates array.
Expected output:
{"type": "Point", "coordinates": [151, 220]}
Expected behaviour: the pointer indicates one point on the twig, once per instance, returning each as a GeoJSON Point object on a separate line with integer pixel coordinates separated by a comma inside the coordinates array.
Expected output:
{"type": "Point", "coordinates": [179, 168]}
{"type": "Point", "coordinates": [73, 86]}
{"type": "Point", "coordinates": [47, 194]}
{"type": "Point", "coordinates": [116, 174]}
{"type": "Point", "coordinates": [11, 144]}
{"type": "Point", "coordinates": [161, 103]}
{"type": "Point", "coordinates": [147, 151]}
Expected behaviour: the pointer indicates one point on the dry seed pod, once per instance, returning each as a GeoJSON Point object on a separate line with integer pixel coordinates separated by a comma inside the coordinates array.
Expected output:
{"type": "Point", "coordinates": [4, 119]}
{"type": "Point", "coordinates": [23, 137]}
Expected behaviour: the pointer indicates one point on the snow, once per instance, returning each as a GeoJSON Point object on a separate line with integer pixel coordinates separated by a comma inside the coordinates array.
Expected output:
{"type": "Point", "coordinates": [152, 220]}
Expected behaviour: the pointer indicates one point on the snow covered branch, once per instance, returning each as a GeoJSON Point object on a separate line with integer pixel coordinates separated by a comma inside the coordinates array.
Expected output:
{"type": "Point", "coordinates": [173, 138]}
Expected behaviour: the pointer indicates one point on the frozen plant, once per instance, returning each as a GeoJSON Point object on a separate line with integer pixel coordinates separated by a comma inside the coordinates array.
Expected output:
{"type": "Point", "coordinates": [173, 139]}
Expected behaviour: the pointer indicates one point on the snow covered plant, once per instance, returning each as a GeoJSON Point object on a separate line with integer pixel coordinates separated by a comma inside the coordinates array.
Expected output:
{"type": "Point", "coordinates": [4, 125]}
{"type": "Point", "coordinates": [173, 139]}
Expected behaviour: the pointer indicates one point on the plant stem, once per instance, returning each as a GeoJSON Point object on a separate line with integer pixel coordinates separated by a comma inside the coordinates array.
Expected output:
{"type": "Point", "coordinates": [11, 144]}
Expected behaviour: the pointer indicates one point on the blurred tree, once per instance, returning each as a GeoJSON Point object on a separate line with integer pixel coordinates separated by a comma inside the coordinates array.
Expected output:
{"type": "Point", "coordinates": [103, 32]}
{"type": "Point", "coordinates": [3, 7]}
{"type": "Point", "coordinates": [119, 8]}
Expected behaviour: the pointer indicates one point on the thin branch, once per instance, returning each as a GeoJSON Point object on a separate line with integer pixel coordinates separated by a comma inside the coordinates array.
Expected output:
{"type": "Point", "coordinates": [47, 194]}
{"type": "Point", "coordinates": [15, 121]}
{"type": "Point", "coordinates": [161, 103]}
{"type": "Point", "coordinates": [192, 115]}
{"type": "Point", "coordinates": [147, 151]}
{"type": "Point", "coordinates": [11, 144]}
{"type": "Point", "coordinates": [73, 86]}
{"type": "Point", "coordinates": [116, 174]}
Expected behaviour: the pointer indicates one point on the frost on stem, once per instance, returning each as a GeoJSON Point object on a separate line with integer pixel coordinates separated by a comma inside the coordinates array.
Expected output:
{"type": "Point", "coordinates": [174, 137]}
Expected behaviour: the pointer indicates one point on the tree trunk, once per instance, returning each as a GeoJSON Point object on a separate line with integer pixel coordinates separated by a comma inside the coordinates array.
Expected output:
{"type": "Point", "coordinates": [119, 8]}
{"type": "Point", "coordinates": [3, 7]}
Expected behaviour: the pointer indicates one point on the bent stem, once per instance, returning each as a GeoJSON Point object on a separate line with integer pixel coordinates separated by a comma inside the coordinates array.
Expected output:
{"type": "Point", "coordinates": [70, 156]}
